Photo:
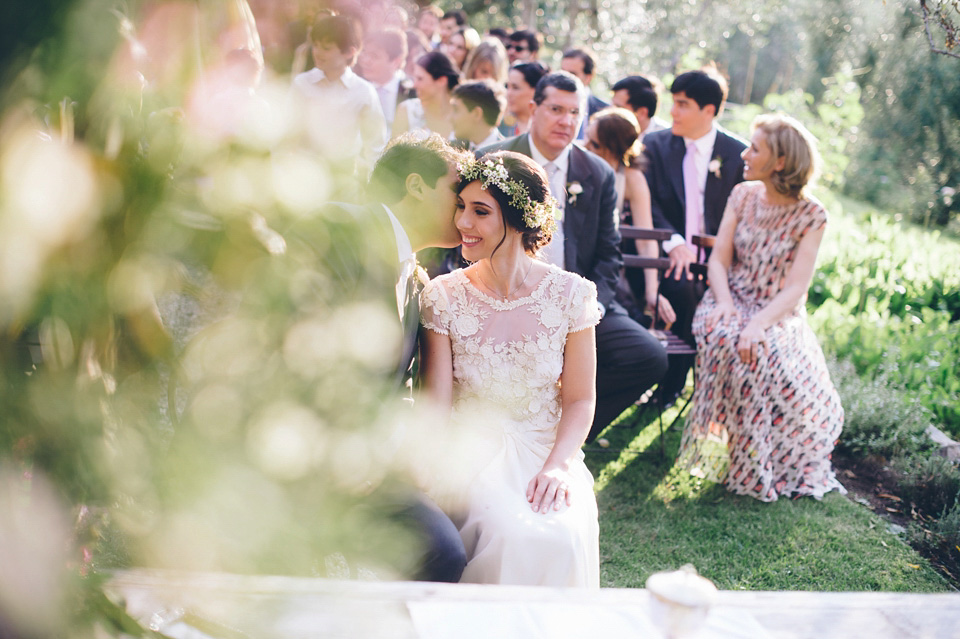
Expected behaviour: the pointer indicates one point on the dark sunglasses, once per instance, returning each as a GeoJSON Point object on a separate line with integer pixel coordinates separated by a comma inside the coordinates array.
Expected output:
{"type": "Point", "coordinates": [515, 47]}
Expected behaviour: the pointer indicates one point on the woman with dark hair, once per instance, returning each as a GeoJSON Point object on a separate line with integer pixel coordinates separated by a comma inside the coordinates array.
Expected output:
{"type": "Point", "coordinates": [521, 81]}
{"type": "Point", "coordinates": [510, 357]}
{"type": "Point", "coordinates": [434, 78]}
{"type": "Point", "coordinates": [766, 415]}
{"type": "Point", "coordinates": [613, 134]}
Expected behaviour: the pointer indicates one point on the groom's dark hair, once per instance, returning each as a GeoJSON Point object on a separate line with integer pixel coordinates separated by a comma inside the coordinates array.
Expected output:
{"type": "Point", "coordinates": [429, 157]}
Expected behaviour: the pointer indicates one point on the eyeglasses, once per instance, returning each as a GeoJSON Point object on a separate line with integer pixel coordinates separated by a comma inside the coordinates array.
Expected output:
{"type": "Point", "coordinates": [516, 47]}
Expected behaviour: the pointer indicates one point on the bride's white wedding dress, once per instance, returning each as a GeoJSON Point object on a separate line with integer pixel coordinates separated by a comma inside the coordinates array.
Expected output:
{"type": "Point", "coordinates": [507, 360]}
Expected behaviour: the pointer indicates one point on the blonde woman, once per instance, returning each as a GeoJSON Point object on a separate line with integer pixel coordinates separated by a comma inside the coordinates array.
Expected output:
{"type": "Point", "coordinates": [487, 61]}
{"type": "Point", "coordinates": [766, 415]}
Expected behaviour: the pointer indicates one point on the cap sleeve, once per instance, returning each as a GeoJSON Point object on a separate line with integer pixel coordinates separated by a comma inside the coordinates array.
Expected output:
{"type": "Point", "coordinates": [435, 308]}
{"type": "Point", "coordinates": [583, 311]}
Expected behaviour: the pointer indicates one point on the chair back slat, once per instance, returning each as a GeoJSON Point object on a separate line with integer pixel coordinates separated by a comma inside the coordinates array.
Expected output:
{"type": "Point", "coordinates": [637, 233]}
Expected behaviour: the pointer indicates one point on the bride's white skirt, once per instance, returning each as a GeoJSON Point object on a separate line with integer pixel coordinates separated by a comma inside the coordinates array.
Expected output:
{"type": "Point", "coordinates": [506, 541]}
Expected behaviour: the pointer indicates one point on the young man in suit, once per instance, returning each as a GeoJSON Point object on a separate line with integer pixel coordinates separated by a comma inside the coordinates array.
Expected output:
{"type": "Point", "coordinates": [580, 63]}
{"type": "Point", "coordinates": [638, 94]}
{"type": "Point", "coordinates": [587, 242]}
{"type": "Point", "coordinates": [691, 169]}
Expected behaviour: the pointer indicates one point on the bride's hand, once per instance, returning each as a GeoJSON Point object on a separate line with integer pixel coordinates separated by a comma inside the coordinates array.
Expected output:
{"type": "Point", "coordinates": [550, 486]}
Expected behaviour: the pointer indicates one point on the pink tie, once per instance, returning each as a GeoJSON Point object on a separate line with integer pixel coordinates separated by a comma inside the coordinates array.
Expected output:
{"type": "Point", "coordinates": [693, 195]}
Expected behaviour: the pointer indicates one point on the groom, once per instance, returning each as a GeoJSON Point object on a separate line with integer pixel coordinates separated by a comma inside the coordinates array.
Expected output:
{"type": "Point", "coordinates": [587, 242]}
{"type": "Point", "coordinates": [370, 252]}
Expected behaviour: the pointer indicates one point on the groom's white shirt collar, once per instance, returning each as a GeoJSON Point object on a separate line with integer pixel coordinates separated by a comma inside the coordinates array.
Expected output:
{"type": "Point", "coordinates": [404, 249]}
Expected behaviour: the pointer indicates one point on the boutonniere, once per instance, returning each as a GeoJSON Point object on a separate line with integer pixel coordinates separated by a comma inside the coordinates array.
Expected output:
{"type": "Point", "coordinates": [573, 190]}
{"type": "Point", "coordinates": [714, 166]}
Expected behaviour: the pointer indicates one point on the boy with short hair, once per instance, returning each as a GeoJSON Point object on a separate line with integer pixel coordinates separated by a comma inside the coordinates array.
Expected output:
{"type": "Point", "coordinates": [344, 116]}
{"type": "Point", "coordinates": [477, 110]}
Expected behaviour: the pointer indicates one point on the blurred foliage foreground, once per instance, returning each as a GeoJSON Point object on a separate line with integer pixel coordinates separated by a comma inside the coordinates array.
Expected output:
{"type": "Point", "coordinates": [181, 387]}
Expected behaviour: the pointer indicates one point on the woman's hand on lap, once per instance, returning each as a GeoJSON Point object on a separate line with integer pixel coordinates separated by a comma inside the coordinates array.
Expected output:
{"type": "Point", "coordinates": [751, 338]}
{"type": "Point", "coordinates": [722, 313]}
{"type": "Point", "coordinates": [549, 487]}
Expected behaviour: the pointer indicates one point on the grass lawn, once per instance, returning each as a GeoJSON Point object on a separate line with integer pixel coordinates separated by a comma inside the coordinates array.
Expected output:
{"type": "Point", "coordinates": [654, 516]}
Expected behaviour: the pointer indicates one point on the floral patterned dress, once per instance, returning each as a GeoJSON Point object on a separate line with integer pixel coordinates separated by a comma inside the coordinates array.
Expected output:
{"type": "Point", "coordinates": [507, 360]}
{"type": "Point", "coordinates": [767, 429]}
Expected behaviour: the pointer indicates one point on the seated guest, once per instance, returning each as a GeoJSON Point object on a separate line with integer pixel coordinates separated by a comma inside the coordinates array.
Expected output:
{"type": "Point", "coordinates": [580, 63]}
{"type": "Point", "coordinates": [384, 54]}
{"type": "Point", "coordinates": [460, 45]}
{"type": "Point", "coordinates": [487, 61]}
{"type": "Point", "coordinates": [343, 113]}
{"type": "Point", "coordinates": [690, 169]}
{"type": "Point", "coordinates": [639, 95]}
{"type": "Point", "coordinates": [428, 23]}
{"type": "Point", "coordinates": [587, 242]}
{"type": "Point", "coordinates": [500, 34]}
{"type": "Point", "coordinates": [766, 415]}
{"type": "Point", "coordinates": [522, 496]}
{"type": "Point", "coordinates": [477, 109]}
{"type": "Point", "coordinates": [417, 45]}
{"type": "Point", "coordinates": [524, 46]}
{"type": "Point", "coordinates": [613, 134]}
{"type": "Point", "coordinates": [521, 81]}
{"type": "Point", "coordinates": [434, 79]}
{"type": "Point", "coordinates": [450, 23]}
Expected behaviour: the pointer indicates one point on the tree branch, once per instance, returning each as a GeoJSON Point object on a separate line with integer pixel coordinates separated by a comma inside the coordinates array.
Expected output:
{"type": "Point", "coordinates": [944, 23]}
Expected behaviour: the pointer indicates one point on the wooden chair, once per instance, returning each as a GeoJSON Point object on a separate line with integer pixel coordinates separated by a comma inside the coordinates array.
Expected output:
{"type": "Point", "coordinates": [673, 344]}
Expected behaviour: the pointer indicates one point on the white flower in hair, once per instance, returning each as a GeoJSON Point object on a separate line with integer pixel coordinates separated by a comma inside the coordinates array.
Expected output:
{"type": "Point", "coordinates": [535, 214]}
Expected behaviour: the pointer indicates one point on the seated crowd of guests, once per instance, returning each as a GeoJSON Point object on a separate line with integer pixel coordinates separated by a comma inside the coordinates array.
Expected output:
{"type": "Point", "coordinates": [533, 175]}
{"type": "Point", "coordinates": [608, 163]}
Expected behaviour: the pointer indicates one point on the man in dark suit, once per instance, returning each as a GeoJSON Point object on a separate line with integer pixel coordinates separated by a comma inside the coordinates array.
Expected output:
{"type": "Point", "coordinates": [587, 242]}
{"type": "Point", "coordinates": [369, 254]}
{"type": "Point", "coordinates": [580, 63]}
{"type": "Point", "coordinates": [690, 169]}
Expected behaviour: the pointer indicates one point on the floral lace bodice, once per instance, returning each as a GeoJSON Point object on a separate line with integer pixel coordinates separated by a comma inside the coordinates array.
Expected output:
{"type": "Point", "coordinates": [508, 356]}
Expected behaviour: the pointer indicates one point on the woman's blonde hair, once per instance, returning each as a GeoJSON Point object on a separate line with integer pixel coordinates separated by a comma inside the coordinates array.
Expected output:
{"type": "Point", "coordinates": [790, 140]}
{"type": "Point", "coordinates": [489, 50]}
{"type": "Point", "coordinates": [618, 132]}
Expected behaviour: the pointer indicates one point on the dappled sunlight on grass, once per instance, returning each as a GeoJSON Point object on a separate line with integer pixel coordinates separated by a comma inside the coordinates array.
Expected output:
{"type": "Point", "coordinates": [678, 483]}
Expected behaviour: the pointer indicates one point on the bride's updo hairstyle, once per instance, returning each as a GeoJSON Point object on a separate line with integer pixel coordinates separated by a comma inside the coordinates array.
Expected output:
{"type": "Point", "coordinates": [789, 139]}
{"type": "Point", "coordinates": [523, 171]}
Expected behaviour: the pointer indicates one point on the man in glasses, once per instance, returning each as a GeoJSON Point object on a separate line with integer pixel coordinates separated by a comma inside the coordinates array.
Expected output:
{"type": "Point", "coordinates": [523, 46]}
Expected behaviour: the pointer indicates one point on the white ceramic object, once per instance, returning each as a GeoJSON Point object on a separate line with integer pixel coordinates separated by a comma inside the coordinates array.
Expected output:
{"type": "Point", "coordinates": [680, 601]}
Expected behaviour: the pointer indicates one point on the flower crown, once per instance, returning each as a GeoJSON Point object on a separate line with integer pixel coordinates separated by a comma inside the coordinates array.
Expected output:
{"type": "Point", "coordinates": [535, 214]}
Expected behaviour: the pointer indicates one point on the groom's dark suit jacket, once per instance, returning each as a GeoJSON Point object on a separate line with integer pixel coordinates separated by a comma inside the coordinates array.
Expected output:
{"type": "Point", "coordinates": [591, 238]}
{"type": "Point", "coordinates": [664, 153]}
{"type": "Point", "coordinates": [358, 250]}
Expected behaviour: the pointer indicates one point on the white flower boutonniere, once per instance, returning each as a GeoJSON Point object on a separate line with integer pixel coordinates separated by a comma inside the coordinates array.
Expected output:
{"type": "Point", "coordinates": [714, 166]}
{"type": "Point", "coordinates": [573, 190]}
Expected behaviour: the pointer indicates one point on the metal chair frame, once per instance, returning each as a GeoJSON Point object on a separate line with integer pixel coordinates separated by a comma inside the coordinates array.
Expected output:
{"type": "Point", "coordinates": [673, 344]}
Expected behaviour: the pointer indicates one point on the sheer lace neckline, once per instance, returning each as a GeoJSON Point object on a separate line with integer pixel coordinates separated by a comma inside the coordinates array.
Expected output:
{"type": "Point", "coordinates": [535, 291]}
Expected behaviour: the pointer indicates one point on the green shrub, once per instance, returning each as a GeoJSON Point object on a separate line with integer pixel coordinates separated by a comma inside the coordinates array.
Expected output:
{"type": "Point", "coordinates": [886, 297]}
{"type": "Point", "coordinates": [880, 419]}
{"type": "Point", "coordinates": [932, 483]}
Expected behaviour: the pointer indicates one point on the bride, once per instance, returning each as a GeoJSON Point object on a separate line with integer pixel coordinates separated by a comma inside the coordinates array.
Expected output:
{"type": "Point", "coordinates": [510, 352]}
